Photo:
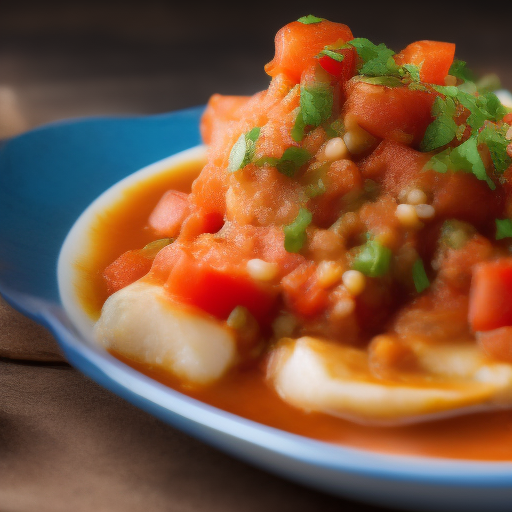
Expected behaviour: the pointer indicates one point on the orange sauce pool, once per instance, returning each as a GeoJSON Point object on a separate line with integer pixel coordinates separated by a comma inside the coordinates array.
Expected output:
{"type": "Point", "coordinates": [484, 436]}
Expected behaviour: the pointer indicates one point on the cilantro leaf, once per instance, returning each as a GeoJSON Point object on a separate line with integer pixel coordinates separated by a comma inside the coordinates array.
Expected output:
{"type": "Point", "coordinates": [440, 162]}
{"type": "Point", "coordinates": [243, 150]}
{"type": "Point", "coordinates": [388, 81]}
{"type": "Point", "coordinates": [316, 104]}
{"type": "Point", "coordinates": [292, 160]}
{"type": "Point", "coordinates": [494, 138]}
{"type": "Point", "coordinates": [310, 19]}
{"type": "Point", "coordinates": [377, 59]}
{"type": "Point", "coordinates": [338, 57]}
{"type": "Point", "coordinates": [467, 158]}
{"type": "Point", "coordinates": [295, 233]}
{"type": "Point", "coordinates": [443, 129]}
{"type": "Point", "coordinates": [419, 276]}
{"type": "Point", "coordinates": [413, 71]}
{"type": "Point", "coordinates": [460, 70]}
{"type": "Point", "coordinates": [461, 158]}
{"type": "Point", "coordinates": [503, 228]}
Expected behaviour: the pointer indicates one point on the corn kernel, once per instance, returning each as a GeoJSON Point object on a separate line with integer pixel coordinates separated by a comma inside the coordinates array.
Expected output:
{"type": "Point", "coordinates": [328, 273]}
{"type": "Point", "coordinates": [416, 196]}
{"type": "Point", "coordinates": [357, 140]}
{"type": "Point", "coordinates": [407, 216]}
{"type": "Point", "coordinates": [343, 308]}
{"type": "Point", "coordinates": [262, 270]}
{"type": "Point", "coordinates": [335, 149]}
{"type": "Point", "coordinates": [354, 281]}
{"type": "Point", "coordinates": [425, 211]}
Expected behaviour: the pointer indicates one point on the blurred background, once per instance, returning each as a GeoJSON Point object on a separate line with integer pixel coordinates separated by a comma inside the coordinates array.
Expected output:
{"type": "Point", "coordinates": [71, 59]}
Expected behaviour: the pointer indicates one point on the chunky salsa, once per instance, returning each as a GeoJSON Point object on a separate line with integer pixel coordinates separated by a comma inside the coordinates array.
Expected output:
{"type": "Point", "coordinates": [347, 243]}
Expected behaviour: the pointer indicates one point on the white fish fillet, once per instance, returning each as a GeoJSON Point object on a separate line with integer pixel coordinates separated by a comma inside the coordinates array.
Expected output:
{"type": "Point", "coordinates": [141, 323]}
{"type": "Point", "coordinates": [319, 375]}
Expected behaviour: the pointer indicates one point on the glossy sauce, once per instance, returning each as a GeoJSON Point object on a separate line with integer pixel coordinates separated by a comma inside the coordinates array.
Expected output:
{"type": "Point", "coordinates": [485, 436]}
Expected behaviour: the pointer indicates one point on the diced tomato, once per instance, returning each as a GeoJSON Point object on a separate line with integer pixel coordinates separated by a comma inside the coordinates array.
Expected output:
{"type": "Point", "coordinates": [302, 291]}
{"type": "Point", "coordinates": [126, 269]}
{"type": "Point", "coordinates": [397, 113]}
{"type": "Point", "coordinates": [433, 57]}
{"type": "Point", "coordinates": [343, 70]}
{"type": "Point", "coordinates": [169, 213]}
{"type": "Point", "coordinates": [394, 166]}
{"type": "Point", "coordinates": [479, 206]}
{"type": "Point", "coordinates": [497, 343]}
{"type": "Point", "coordinates": [201, 222]}
{"type": "Point", "coordinates": [490, 297]}
{"type": "Point", "coordinates": [507, 118]}
{"type": "Point", "coordinates": [220, 110]}
{"type": "Point", "coordinates": [297, 45]}
{"type": "Point", "coordinates": [218, 291]}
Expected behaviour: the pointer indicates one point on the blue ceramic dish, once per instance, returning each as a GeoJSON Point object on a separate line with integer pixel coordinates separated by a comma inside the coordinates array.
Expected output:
{"type": "Point", "coordinates": [47, 178]}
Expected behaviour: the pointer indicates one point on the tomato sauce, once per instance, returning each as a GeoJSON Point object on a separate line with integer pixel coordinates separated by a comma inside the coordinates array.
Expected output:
{"type": "Point", "coordinates": [243, 391]}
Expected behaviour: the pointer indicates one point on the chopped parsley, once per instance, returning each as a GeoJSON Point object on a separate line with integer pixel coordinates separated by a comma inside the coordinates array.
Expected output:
{"type": "Point", "coordinates": [243, 150]}
{"type": "Point", "coordinates": [295, 233]}
{"type": "Point", "coordinates": [310, 19]}
{"type": "Point", "coordinates": [503, 228]}
{"type": "Point", "coordinates": [419, 276]}
{"type": "Point", "coordinates": [372, 259]}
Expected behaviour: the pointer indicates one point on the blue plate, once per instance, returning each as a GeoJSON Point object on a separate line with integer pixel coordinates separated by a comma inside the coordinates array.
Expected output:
{"type": "Point", "coordinates": [47, 178]}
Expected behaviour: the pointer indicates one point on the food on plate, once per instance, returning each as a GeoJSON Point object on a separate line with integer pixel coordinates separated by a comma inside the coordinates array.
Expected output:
{"type": "Point", "coordinates": [348, 241]}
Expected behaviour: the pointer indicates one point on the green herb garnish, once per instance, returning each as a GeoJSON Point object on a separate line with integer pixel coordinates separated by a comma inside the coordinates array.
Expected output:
{"type": "Point", "coordinates": [503, 228]}
{"type": "Point", "coordinates": [372, 259]}
{"type": "Point", "coordinates": [295, 233]}
{"type": "Point", "coordinates": [292, 160]}
{"type": "Point", "coordinates": [333, 54]}
{"type": "Point", "coordinates": [466, 157]}
{"type": "Point", "coordinates": [444, 128]}
{"type": "Point", "coordinates": [243, 150]}
{"type": "Point", "coordinates": [388, 81]}
{"type": "Point", "coordinates": [494, 138]}
{"type": "Point", "coordinates": [460, 70]}
{"type": "Point", "coordinates": [316, 104]}
{"type": "Point", "coordinates": [419, 276]}
{"type": "Point", "coordinates": [377, 60]}
{"type": "Point", "coordinates": [310, 19]}
{"type": "Point", "coordinates": [315, 189]}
